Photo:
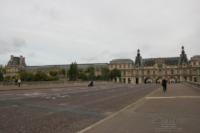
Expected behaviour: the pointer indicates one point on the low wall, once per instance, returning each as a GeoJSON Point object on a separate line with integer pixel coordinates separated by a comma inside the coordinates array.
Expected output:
{"type": "Point", "coordinates": [194, 83]}
{"type": "Point", "coordinates": [31, 83]}
{"type": "Point", "coordinates": [47, 84]}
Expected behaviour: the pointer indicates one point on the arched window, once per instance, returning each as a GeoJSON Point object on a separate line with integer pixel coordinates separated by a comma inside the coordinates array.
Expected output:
{"type": "Point", "coordinates": [172, 71]}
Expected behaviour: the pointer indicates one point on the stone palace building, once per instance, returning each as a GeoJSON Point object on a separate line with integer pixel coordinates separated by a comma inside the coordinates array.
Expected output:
{"type": "Point", "coordinates": [153, 70]}
{"type": "Point", "coordinates": [18, 64]}
{"type": "Point", "coordinates": [148, 70]}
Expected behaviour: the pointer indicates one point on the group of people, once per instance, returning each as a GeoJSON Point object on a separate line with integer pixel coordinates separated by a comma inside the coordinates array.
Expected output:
{"type": "Point", "coordinates": [91, 84]}
{"type": "Point", "coordinates": [164, 84]}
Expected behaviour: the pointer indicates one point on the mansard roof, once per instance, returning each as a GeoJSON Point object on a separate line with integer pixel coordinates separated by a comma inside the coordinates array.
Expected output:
{"type": "Point", "coordinates": [196, 57]}
{"type": "Point", "coordinates": [16, 61]}
{"type": "Point", "coordinates": [121, 61]}
{"type": "Point", "coordinates": [43, 67]}
{"type": "Point", "coordinates": [168, 61]}
{"type": "Point", "coordinates": [95, 65]}
{"type": "Point", "coordinates": [66, 66]}
{"type": "Point", "coordinates": [148, 61]}
{"type": "Point", "coordinates": [172, 61]}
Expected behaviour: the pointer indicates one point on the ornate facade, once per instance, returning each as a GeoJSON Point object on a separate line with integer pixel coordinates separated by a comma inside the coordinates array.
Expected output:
{"type": "Point", "coordinates": [15, 65]}
{"type": "Point", "coordinates": [147, 70]}
{"type": "Point", "coordinates": [153, 70]}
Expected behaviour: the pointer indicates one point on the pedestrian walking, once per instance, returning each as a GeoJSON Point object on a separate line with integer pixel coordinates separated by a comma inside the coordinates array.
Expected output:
{"type": "Point", "coordinates": [19, 82]}
{"type": "Point", "coordinates": [164, 85]}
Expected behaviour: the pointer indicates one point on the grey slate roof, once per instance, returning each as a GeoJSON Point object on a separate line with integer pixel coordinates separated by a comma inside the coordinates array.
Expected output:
{"type": "Point", "coordinates": [66, 66]}
{"type": "Point", "coordinates": [172, 61]}
{"type": "Point", "coordinates": [14, 62]}
{"type": "Point", "coordinates": [95, 65]}
{"type": "Point", "coordinates": [148, 62]}
{"type": "Point", "coordinates": [196, 57]}
{"type": "Point", "coordinates": [121, 61]}
{"type": "Point", "coordinates": [47, 67]}
{"type": "Point", "coordinates": [168, 61]}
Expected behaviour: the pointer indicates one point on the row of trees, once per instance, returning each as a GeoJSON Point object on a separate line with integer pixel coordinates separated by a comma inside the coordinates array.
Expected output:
{"type": "Point", "coordinates": [34, 76]}
{"type": "Point", "coordinates": [38, 76]}
{"type": "Point", "coordinates": [74, 73]}
{"type": "Point", "coordinates": [1, 73]}
{"type": "Point", "coordinates": [51, 75]}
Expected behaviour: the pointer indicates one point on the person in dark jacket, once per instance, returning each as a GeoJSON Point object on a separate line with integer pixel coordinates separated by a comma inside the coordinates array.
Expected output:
{"type": "Point", "coordinates": [91, 84]}
{"type": "Point", "coordinates": [164, 85]}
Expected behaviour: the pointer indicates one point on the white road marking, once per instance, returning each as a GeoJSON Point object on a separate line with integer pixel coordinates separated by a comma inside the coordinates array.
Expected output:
{"type": "Point", "coordinates": [172, 97]}
{"type": "Point", "coordinates": [134, 105]}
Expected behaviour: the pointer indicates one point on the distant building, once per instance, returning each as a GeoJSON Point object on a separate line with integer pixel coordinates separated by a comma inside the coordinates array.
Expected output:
{"type": "Point", "coordinates": [15, 65]}
{"type": "Point", "coordinates": [152, 70]}
{"type": "Point", "coordinates": [148, 70]}
{"type": "Point", "coordinates": [97, 67]}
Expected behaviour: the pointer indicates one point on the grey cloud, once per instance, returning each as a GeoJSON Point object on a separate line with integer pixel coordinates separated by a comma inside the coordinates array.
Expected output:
{"type": "Point", "coordinates": [104, 55]}
{"type": "Point", "coordinates": [11, 45]}
{"type": "Point", "coordinates": [18, 43]}
{"type": "Point", "coordinates": [62, 31]}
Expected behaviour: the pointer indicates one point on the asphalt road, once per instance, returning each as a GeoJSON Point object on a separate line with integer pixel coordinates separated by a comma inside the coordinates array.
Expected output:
{"type": "Point", "coordinates": [64, 110]}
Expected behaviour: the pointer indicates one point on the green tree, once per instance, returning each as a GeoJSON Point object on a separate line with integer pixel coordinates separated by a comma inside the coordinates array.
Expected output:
{"type": "Point", "coordinates": [63, 72]}
{"type": "Point", "coordinates": [41, 76]}
{"type": "Point", "coordinates": [27, 76]}
{"type": "Point", "coordinates": [1, 76]}
{"type": "Point", "coordinates": [114, 74]}
{"type": "Point", "coordinates": [53, 73]}
{"type": "Point", "coordinates": [1, 73]}
{"type": "Point", "coordinates": [91, 73]}
{"type": "Point", "coordinates": [73, 72]}
{"type": "Point", "coordinates": [7, 78]}
{"type": "Point", "coordinates": [105, 74]}
{"type": "Point", "coordinates": [82, 75]}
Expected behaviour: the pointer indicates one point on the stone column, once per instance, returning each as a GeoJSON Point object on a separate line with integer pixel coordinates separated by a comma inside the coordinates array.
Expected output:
{"type": "Point", "coordinates": [181, 79]}
{"type": "Point", "coordinates": [133, 80]}
{"type": "Point", "coordinates": [188, 78]}
{"type": "Point", "coordinates": [117, 79]}
{"type": "Point", "coordinates": [126, 80]}
{"type": "Point", "coordinates": [140, 80]}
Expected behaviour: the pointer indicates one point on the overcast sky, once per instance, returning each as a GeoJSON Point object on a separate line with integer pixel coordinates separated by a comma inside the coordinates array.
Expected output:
{"type": "Point", "coordinates": [90, 31]}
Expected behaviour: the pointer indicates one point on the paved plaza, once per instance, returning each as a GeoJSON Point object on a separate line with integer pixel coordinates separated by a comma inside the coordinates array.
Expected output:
{"type": "Point", "coordinates": [177, 111]}
{"type": "Point", "coordinates": [105, 108]}
{"type": "Point", "coordinates": [64, 109]}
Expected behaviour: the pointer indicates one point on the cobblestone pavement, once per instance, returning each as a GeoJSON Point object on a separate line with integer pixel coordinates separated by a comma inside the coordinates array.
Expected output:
{"type": "Point", "coordinates": [177, 111]}
{"type": "Point", "coordinates": [64, 110]}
